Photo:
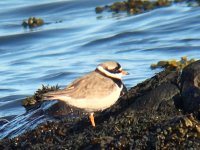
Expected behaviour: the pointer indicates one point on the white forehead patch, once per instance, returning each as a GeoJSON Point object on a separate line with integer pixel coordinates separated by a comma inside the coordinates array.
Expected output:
{"type": "Point", "coordinates": [112, 75]}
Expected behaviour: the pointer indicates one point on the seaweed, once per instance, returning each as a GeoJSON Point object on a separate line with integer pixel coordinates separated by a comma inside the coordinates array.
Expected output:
{"type": "Point", "coordinates": [173, 64]}
{"type": "Point", "coordinates": [32, 22]}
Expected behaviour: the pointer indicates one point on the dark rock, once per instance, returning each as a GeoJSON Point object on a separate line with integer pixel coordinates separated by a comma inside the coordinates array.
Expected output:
{"type": "Point", "coordinates": [147, 117]}
{"type": "Point", "coordinates": [164, 92]}
{"type": "Point", "coordinates": [190, 88]}
{"type": "Point", "coordinates": [99, 9]}
{"type": "Point", "coordinates": [180, 132]}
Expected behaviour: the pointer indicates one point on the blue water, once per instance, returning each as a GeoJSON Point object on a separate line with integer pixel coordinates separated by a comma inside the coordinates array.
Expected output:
{"type": "Point", "coordinates": [75, 39]}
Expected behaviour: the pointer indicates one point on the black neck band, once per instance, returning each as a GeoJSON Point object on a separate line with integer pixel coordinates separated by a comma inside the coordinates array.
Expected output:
{"type": "Point", "coordinates": [117, 81]}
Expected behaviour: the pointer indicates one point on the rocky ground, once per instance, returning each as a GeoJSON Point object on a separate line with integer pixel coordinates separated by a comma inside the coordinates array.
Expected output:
{"type": "Point", "coordinates": [160, 113]}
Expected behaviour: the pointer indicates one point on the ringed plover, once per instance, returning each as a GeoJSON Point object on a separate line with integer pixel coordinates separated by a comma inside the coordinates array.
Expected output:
{"type": "Point", "coordinates": [95, 91]}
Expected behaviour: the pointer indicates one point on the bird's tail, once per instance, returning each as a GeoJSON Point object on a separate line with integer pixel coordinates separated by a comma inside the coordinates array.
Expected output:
{"type": "Point", "coordinates": [50, 96]}
{"type": "Point", "coordinates": [55, 95]}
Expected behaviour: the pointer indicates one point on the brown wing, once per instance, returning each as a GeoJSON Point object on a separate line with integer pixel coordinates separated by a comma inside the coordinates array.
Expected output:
{"type": "Point", "coordinates": [88, 86]}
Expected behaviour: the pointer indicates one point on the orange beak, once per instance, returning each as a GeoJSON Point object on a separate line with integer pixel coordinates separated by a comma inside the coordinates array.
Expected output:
{"type": "Point", "coordinates": [124, 72]}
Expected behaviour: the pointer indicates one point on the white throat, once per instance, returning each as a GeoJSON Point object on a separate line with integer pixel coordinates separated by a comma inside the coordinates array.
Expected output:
{"type": "Point", "coordinates": [113, 75]}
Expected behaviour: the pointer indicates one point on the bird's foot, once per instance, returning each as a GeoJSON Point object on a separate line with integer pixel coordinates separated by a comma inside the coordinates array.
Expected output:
{"type": "Point", "coordinates": [92, 119]}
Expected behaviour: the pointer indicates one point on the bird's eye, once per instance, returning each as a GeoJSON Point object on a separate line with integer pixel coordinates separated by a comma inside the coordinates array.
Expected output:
{"type": "Point", "coordinates": [116, 70]}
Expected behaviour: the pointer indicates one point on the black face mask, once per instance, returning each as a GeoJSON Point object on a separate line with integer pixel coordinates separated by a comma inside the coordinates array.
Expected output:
{"type": "Point", "coordinates": [116, 70]}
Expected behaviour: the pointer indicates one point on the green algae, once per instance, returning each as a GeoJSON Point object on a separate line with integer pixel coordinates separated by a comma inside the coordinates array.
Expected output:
{"type": "Point", "coordinates": [33, 22]}
{"type": "Point", "coordinates": [99, 9]}
{"type": "Point", "coordinates": [173, 64]}
{"type": "Point", "coordinates": [140, 6]}
{"type": "Point", "coordinates": [38, 95]}
{"type": "Point", "coordinates": [133, 6]}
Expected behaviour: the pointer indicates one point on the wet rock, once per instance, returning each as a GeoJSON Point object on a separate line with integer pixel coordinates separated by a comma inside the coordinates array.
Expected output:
{"type": "Point", "coordinates": [133, 6]}
{"type": "Point", "coordinates": [164, 92]}
{"type": "Point", "coordinates": [99, 9]}
{"type": "Point", "coordinates": [190, 87]}
{"type": "Point", "coordinates": [141, 6]}
{"type": "Point", "coordinates": [147, 117]}
{"type": "Point", "coordinates": [32, 22]}
{"type": "Point", "coordinates": [119, 6]}
{"type": "Point", "coordinates": [163, 3]}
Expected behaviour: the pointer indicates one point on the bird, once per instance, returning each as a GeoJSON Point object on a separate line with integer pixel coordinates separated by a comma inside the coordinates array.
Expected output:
{"type": "Point", "coordinates": [95, 91]}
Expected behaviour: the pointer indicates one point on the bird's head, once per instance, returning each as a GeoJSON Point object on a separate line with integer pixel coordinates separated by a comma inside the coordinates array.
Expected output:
{"type": "Point", "coordinates": [112, 69]}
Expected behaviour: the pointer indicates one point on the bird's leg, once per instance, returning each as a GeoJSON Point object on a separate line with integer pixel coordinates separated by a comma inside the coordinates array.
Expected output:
{"type": "Point", "coordinates": [92, 119]}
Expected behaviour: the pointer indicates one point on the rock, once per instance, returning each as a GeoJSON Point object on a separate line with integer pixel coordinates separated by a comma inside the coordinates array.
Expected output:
{"type": "Point", "coordinates": [134, 6]}
{"type": "Point", "coordinates": [32, 22]}
{"type": "Point", "coordinates": [99, 9]}
{"type": "Point", "coordinates": [147, 117]}
{"type": "Point", "coordinates": [164, 92]}
{"type": "Point", "coordinates": [190, 88]}
{"type": "Point", "coordinates": [182, 129]}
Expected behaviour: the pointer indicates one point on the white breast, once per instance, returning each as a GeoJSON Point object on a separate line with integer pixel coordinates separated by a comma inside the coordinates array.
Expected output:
{"type": "Point", "coordinates": [96, 103]}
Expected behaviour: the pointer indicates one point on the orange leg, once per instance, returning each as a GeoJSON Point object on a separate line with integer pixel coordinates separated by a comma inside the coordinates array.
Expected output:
{"type": "Point", "coordinates": [92, 119]}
